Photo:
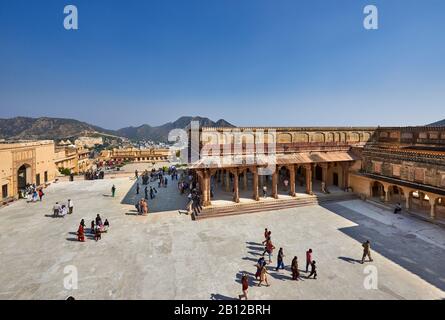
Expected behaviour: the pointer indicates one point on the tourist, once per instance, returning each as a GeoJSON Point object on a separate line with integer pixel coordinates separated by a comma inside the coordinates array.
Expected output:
{"type": "Point", "coordinates": [189, 204]}
{"type": "Point", "coordinates": [280, 262]}
{"type": "Point", "coordinates": [294, 267]}
{"type": "Point", "coordinates": [70, 206]}
{"type": "Point", "coordinates": [81, 233]}
{"type": "Point", "coordinates": [308, 259]}
{"type": "Point", "coordinates": [165, 182]}
{"type": "Point", "coordinates": [113, 191]}
{"type": "Point", "coordinates": [244, 286]}
{"type": "Point", "coordinates": [56, 209]}
{"type": "Point", "coordinates": [82, 222]}
{"type": "Point", "coordinates": [152, 193]}
{"type": "Point", "coordinates": [136, 174]}
{"type": "Point", "coordinates": [267, 236]}
{"type": "Point", "coordinates": [264, 191]}
{"type": "Point", "coordinates": [98, 220]}
{"type": "Point", "coordinates": [92, 227]}
{"type": "Point", "coordinates": [263, 276]}
{"type": "Point", "coordinates": [137, 188]}
{"type": "Point", "coordinates": [398, 208]}
{"type": "Point", "coordinates": [63, 211]}
{"type": "Point", "coordinates": [144, 207]}
{"type": "Point", "coordinates": [106, 225]}
{"type": "Point", "coordinates": [261, 262]}
{"type": "Point", "coordinates": [41, 194]}
{"type": "Point", "coordinates": [286, 184]}
{"type": "Point", "coordinates": [269, 249]}
{"type": "Point", "coordinates": [97, 234]}
{"type": "Point", "coordinates": [366, 251]}
{"type": "Point", "coordinates": [313, 270]}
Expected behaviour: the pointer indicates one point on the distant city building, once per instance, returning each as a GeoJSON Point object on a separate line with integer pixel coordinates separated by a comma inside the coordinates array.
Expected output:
{"type": "Point", "coordinates": [89, 142]}
{"type": "Point", "coordinates": [136, 155]}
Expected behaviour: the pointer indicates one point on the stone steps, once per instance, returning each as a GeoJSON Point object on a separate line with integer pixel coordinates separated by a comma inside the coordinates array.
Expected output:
{"type": "Point", "coordinates": [278, 204]}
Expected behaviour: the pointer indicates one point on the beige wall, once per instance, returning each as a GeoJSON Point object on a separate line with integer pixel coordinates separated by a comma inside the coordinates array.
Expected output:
{"type": "Point", "coordinates": [38, 156]}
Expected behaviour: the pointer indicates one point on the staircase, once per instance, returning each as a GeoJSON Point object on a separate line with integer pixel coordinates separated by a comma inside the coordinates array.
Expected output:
{"type": "Point", "coordinates": [278, 204]}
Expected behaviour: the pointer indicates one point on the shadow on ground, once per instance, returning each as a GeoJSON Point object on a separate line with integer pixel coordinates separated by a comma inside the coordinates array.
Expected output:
{"type": "Point", "coordinates": [166, 199]}
{"type": "Point", "coordinates": [415, 255]}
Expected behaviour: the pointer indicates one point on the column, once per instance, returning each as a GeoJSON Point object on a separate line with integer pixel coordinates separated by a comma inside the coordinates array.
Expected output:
{"type": "Point", "coordinates": [291, 169]}
{"type": "Point", "coordinates": [308, 172]}
{"type": "Point", "coordinates": [206, 189]}
{"type": "Point", "coordinates": [255, 184]}
{"type": "Point", "coordinates": [235, 186]}
{"type": "Point", "coordinates": [324, 177]}
{"type": "Point", "coordinates": [345, 167]}
{"type": "Point", "coordinates": [386, 191]}
{"type": "Point", "coordinates": [433, 205]}
{"type": "Point", "coordinates": [407, 194]}
{"type": "Point", "coordinates": [275, 184]}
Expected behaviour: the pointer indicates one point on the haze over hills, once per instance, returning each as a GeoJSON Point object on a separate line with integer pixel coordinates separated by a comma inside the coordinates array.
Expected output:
{"type": "Point", "coordinates": [59, 128]}
{"type": "Point", "coordinates": [440, 123]}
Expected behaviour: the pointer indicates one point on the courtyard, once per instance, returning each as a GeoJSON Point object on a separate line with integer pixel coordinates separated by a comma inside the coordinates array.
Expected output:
{"type": "Point", "coordinates": [166, 255]}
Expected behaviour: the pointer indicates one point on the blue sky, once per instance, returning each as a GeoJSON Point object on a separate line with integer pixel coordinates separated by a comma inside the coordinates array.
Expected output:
{"type": "Point", "coordinates": [251, 62]}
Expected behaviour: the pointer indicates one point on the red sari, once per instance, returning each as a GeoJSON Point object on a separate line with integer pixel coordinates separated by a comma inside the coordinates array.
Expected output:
{"type": "Point", "coordinates": [81, 234]}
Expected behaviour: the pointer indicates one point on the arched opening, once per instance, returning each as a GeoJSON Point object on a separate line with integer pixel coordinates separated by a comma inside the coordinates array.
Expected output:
{"type": "Point", "coordinates": [23, 177]}
{"type": "Point", "coordinates": [396, 194]}
{"type": "Point", "coordinates": [377, 190]}
{"type": "Point", "coordinates": [420, 203]}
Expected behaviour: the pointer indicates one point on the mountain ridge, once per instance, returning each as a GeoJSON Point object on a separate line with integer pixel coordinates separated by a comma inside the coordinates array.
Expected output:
{"type": "Point", "coordinates": [28, 128]}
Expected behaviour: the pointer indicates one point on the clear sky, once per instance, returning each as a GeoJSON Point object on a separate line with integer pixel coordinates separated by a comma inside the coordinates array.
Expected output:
{"type": "Point", "coordinates": [251, 62]}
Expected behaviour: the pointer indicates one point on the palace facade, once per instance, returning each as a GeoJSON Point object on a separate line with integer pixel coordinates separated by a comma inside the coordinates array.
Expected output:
{"type": "Point", "coordinates": [387, 165]}
{"type": "Point", "coordinates": [135, 155]}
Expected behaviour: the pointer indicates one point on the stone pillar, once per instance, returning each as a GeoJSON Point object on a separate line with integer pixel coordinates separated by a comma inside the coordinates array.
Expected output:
{"type": "Point", "coordinates": [291, 169]}
{"type": "Point", "coordinates": [308, 170]}
{"type": "Point", "coordinates": [433, 205]}
{"type": "Point", "coordinates": [275, 184]}
{"type": "Point", "coordinates": [245, 180]}
{"type": "Point", "coordinates": [255, 184]}
{"type": "Point", "coordinates": [206, 188]}
{"type": "Point", "coordinates": [345, 167]}
{"type": "Point", "coordinates": [386, 191]}
{"type": "Point", "coordinates": [235, 186]}
{"type": "Point", "coordinates": [324, 177]}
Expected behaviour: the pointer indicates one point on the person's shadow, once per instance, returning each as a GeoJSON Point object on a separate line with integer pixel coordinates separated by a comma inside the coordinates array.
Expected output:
{"type": "Point", "coordinates": [350, 260]}
{"type": "Point", "coordinates": [217, 296]}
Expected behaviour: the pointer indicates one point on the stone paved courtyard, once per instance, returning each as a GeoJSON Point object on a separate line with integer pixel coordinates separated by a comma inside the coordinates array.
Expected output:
{"type": "Point", "coordinates": [167, 256]}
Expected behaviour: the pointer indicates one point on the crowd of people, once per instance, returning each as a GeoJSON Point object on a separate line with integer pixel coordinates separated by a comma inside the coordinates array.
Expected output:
{"type": "Point", "coordinates": [32, 193]}
{"type": "Point", "coordinates": [96, 230]}
{"type": "Point", "coordinates": [61, 210]}
{"type": "Point", "coordinates": [94, 174]}
{"type": "Point", "coordinates": [261, 274]}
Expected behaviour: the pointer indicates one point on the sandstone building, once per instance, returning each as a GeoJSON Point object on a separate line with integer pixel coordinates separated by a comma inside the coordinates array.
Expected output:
{"type": "Point", "coordinates": [387, 165]}
{"type": "Point", "coordinates": [23, 163]}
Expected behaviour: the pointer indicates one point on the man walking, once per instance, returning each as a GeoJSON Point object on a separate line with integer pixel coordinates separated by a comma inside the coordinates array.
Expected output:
{"type": "Point", "coordinates": [70, 206]}
{"type": "Point", "coordinates": [137, 188]}
{"type": "Point", "coordinates": [280, 262]}
{"type": "Point", "coordinates": [366, 251]}
{"type": "Point", "coordinates": [308, 259]}
{"type": "Point", "coordinates": [113, 191]}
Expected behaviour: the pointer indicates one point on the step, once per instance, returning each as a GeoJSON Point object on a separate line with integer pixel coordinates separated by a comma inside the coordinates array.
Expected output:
{"type": "Point", "coordinates": [237, 209]}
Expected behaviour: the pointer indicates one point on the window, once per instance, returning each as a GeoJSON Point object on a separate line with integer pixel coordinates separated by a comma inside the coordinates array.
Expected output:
{"type": "Point", "coordinates": [45, 176]}
{"type": "Point", "coordinates": [38, 179]}
{"type": "Point", "coordinates": [4, 191]}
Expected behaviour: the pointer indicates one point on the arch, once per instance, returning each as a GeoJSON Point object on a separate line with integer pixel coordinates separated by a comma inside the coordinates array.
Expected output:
{"type": "Point", "coordinates": [24, 176]}
{"type": "Point", "coordinates": [284, 138]}
{"type": "Point", "coordinates": [301, 138]}
{"type": "Point", "coordinates": [330, 137]}
{"type": "Point", "coordinates": [353, 137]}
{"type": "Point", "coordinates": [377, 190]}
{"type": "Point", "coordinates": [317, 137]}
